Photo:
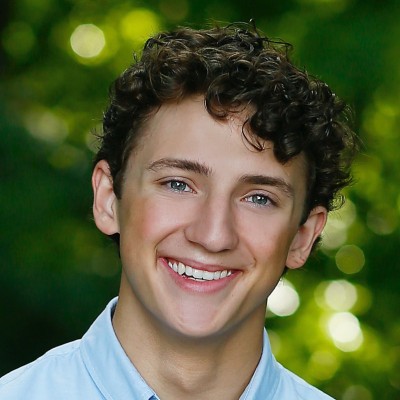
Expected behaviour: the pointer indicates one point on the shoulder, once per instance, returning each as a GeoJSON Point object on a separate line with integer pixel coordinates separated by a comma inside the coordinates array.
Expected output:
{"type": "Point", "coordinates": [56, 374]}
{"type": "Point", "coordinates": [295, 386]}
{"type": "Point", "coordinates": [52, 358]}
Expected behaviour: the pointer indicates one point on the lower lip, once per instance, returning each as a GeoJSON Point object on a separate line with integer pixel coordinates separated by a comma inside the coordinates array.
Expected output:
{"type": "Point", "coordinates": [192, 285]}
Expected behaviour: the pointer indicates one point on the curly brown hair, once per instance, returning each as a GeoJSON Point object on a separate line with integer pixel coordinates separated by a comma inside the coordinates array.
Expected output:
{"type": "Point", "coordinates": [234, 67]}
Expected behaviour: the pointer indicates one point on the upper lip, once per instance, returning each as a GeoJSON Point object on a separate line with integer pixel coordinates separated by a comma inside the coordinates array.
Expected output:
{"type": "Point", "coordinates": [199, 265]}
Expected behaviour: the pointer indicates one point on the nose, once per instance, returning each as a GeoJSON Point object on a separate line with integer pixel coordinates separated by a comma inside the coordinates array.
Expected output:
{"type": "Point", "coordinates": [213, 226]}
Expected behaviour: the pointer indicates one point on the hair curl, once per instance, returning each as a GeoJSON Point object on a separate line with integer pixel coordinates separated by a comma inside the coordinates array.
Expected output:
{"type": "Point", "coordinates": [234, 67]}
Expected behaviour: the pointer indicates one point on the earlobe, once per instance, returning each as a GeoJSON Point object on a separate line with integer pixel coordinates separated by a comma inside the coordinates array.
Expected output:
{"type": "Point", "coordinates": [105, 201]}
{"type": "Point", "coordinates": [305, 237]}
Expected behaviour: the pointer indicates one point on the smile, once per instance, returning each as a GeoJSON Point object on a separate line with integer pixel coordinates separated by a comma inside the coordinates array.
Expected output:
{"type": "Point", "coordinates": [197, 274]}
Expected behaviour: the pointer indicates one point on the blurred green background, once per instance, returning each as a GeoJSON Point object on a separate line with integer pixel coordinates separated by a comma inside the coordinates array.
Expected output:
{"type": "Point", "coordinates": [57, 60]}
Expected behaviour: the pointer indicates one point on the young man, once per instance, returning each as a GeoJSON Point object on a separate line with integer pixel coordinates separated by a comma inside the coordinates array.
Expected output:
{"type": "Point", "coordinates": [218, 165]}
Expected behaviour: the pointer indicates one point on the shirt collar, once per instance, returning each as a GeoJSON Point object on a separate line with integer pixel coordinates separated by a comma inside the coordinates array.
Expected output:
{"type": "Point", "coordinates": [109, 366]}
{"type": "Point", "coordinates": [265, 380]}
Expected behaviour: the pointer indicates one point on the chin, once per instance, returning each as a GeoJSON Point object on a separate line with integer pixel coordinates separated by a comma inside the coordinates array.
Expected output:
{"type": "Point", "coordinates": [197, 328]}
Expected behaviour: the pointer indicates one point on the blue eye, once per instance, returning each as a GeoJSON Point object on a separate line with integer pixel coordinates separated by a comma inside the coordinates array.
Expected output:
{"type": "Point", "coordinates": [259, 200]}
{"type": "Point", "coordinates": [178, 186]}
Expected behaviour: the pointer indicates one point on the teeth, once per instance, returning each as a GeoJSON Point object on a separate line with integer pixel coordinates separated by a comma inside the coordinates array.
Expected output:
{"type": "Point", "coordinates": [181, 268]}
{"type": "Point", "coordinates": [208, 276]}
{"type": "Point", "coordinates": [198, 274]}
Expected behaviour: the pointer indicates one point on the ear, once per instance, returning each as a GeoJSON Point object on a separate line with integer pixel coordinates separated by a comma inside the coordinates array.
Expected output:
{"type": "Point", "coordinates": [305, 237]}
{"type": "Point", "coordinates": [105, 201]}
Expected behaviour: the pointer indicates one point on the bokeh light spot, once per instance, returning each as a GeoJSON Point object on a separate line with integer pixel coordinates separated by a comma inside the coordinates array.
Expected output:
{"type": "Point", "coordinates": [284, 300]}
{"type": "Point", "coordinates": [46, 126]}
{"type": "Point", "coordinates": [340, 295]}
{"type": "Point", "coordinates": [357, 392]}
{"type": "Point", "coordinates": [139, 24]}
{"type": "Point", "coordinates": [380, 117]}
{"type": "Point", "coordinates": [18, 39]}
{"type": "Point", "coordinates": [87, 40]}
{"type": "Point", "coordinates": [382, 221]}
{"type": "Point", "coordinates": [364, 300]}
{"type": "Point", "coordinates": [335, 232]}
{"type": "Point", "coordinates": [66, 156]}
{"type": "Point", "coordinates": [323, 364]}
{"type": "Point", "coordinates": [369, 172]}
{"type": "Point", "coordinates": [350, 259]}
{"type": "Point", "coordinates": [345, 331]}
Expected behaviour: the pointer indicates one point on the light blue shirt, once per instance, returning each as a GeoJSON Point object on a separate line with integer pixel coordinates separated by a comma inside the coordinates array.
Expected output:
{"type": "Point", "coordinates": [97, 368]}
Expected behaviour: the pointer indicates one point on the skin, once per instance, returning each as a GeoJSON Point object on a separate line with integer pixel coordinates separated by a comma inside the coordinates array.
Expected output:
{"type": "Point", "coordinates": [194, 192]}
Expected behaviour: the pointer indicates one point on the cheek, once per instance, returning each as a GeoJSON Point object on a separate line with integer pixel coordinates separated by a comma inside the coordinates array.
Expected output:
{"type": "Point", "coordinates": [150, 220]}
{"type": "Point", "coordinates": [269, 240]}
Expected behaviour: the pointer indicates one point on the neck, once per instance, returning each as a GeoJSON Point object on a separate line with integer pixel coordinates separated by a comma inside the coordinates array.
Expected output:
{"type": "Point", "coordinates": [176, 366]}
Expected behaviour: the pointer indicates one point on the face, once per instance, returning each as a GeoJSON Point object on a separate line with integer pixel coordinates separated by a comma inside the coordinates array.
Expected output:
{"type": "Point", "coordinates": [206, 224]}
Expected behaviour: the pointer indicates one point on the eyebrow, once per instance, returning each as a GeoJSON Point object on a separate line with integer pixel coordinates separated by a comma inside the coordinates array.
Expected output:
{"type": "Point", "coordinates": [183, 164]}
{"type": "Point", "coordinates": [269, 181]}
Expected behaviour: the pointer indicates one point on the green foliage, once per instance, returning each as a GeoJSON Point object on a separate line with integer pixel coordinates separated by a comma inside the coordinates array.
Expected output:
{"type": "Point", "coordinates": [57, 272]}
